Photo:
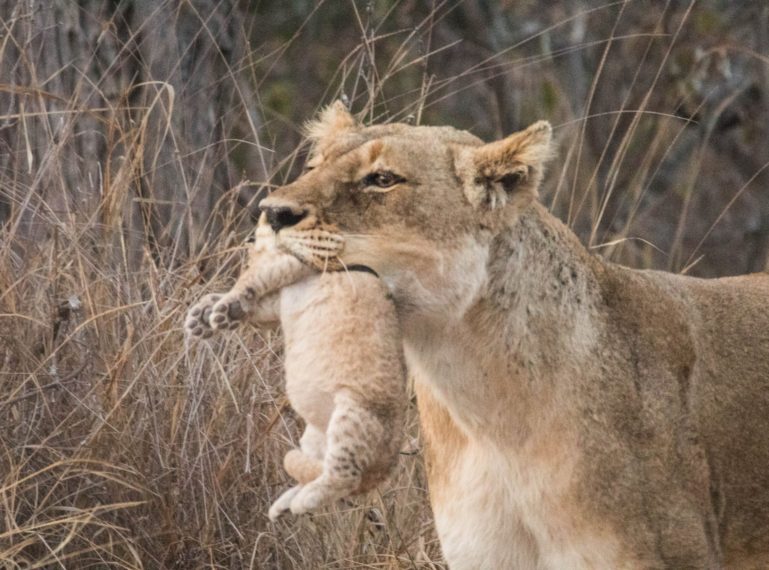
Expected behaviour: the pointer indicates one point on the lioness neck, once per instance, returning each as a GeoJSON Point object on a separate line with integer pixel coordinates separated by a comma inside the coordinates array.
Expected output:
{"type": "Point", "coordinates": [537, 303]}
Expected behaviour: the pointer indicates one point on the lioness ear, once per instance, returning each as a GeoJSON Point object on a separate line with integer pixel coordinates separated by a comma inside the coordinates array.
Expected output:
{"type": "Point", "coordinates": [497, 172]}
{"type": "Point", "coordinates": [332, 120]}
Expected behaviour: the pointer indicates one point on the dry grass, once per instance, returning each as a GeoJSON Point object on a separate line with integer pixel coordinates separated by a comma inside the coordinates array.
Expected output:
{"type": "Point", "coordinates": [120, 446]}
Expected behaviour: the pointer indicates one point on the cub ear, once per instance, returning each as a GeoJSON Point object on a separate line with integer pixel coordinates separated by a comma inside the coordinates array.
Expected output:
{"type": "Point", "coordinates": [511, 168]}
{"type": "Point", "coordinates": [333, 120]}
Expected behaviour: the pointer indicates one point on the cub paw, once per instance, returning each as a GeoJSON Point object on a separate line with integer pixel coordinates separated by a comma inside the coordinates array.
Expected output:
{"type": "Point", "coordinates": [227, 313]}
{"type": "Point", "coordinates": [198, 322]}
{"type": "Point", "coordinates": [283, 503]}
{"type": "Point", "coordinates": [313, 496]}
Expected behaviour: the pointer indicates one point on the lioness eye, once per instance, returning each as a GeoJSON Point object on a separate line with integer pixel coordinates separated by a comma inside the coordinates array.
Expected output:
{"type": "Point", "coordinates": [382, 179]}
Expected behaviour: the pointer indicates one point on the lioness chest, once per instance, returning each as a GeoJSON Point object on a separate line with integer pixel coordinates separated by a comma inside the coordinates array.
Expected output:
{"type": "Point", "coordinates": [503, 496]}
{"type": "Point", "coordinates": [501, 510]}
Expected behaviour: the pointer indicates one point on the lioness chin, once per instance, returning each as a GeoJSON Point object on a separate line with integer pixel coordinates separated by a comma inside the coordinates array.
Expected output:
{"type": "Point", "coordinates": [577, 414]}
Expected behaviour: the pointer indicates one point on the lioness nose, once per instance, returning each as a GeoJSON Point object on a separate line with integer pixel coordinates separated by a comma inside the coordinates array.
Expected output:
{"type": "Point", "coordinates": [280, 217]}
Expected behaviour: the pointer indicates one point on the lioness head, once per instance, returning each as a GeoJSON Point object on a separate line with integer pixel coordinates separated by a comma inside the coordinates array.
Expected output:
{"type": "Point", "coordinates": [419, 205]}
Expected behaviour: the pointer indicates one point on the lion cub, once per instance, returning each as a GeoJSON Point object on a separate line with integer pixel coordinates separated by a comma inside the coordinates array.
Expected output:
{"type": "Point", "coordinates": [345, 373]}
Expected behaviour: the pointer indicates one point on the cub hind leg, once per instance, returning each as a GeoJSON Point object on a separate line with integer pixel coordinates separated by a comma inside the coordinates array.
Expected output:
{"type": "Point", "coordinates": [303, 465]}
{"type": "Point", "coordinates": [353, 439]}
{"type": "Point", "coordinates": [306, 463]}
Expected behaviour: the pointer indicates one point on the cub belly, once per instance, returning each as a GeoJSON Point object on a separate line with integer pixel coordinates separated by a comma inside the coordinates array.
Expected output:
{"type": "Point", "coordinates": [309, 356]}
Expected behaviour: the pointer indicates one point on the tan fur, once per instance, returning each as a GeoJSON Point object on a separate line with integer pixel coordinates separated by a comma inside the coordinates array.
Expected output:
{"type": "Point", "coordinates": [345, 374]}
{"type": "Point", "coordinates": [577, 414]}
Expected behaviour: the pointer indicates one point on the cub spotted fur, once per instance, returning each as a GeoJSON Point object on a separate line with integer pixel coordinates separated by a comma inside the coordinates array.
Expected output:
{"type": "Point", "coordinates": [344, 366]}
{"type": "Point", "coordinates": [576, 413]}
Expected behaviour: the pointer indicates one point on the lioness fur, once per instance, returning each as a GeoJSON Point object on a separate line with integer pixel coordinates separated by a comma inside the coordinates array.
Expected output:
{"type": "Point", "coordinates": [577, 414]}
{"type": "Point", "coordinates": [345, 374]}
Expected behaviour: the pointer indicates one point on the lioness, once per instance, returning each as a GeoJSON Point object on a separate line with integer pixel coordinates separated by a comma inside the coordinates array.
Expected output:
{"type": "Point", "coordinates": [345, 373]}
{"type": "Point", "coordinates": [577, 414]}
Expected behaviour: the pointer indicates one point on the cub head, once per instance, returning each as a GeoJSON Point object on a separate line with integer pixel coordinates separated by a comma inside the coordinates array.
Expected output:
{"type": "Point", "coordinates": [419, 205]}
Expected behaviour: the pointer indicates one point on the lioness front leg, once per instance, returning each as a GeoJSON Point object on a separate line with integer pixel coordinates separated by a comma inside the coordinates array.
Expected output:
{"type": "Point", "coordinates": [353, 439]}
{"type": "Point", "coordinates": [267, 274]}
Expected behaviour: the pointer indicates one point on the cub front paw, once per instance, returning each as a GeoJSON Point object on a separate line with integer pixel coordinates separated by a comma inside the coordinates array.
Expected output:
{"type": "Point", "coordinates": [227, 313]}
{"type": "Point", "coordinates": [198, 322]}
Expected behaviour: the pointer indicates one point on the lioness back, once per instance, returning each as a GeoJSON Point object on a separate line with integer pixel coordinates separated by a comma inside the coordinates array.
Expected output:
{"type": "Point", "coordinates": [700, 353]}
{"type": "Point", "coordinates": [730, 400]}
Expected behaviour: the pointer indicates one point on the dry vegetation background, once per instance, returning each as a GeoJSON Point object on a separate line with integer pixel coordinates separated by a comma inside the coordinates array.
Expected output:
{"type": "Point", "coordinates": [136, 137]}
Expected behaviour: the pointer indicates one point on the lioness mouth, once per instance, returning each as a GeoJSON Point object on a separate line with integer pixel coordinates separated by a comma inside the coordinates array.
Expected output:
{"type": "Point", "coordinates": [315, 247]}
{"type": "Point", "coordinates": [364, 268]}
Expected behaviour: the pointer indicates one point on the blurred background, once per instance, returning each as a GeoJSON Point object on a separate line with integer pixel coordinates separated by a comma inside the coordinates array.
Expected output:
{"type": "Point", "coordinates": [136, 139]}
